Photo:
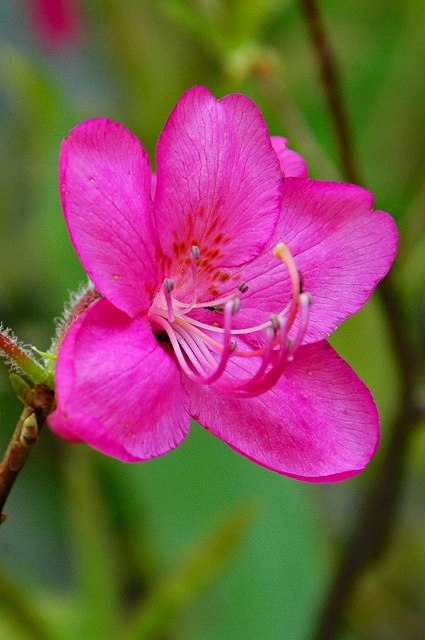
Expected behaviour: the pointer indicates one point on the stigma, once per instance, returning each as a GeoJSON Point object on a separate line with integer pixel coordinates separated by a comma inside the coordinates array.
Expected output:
{"type": "Point", "coordinates": [208, 347]}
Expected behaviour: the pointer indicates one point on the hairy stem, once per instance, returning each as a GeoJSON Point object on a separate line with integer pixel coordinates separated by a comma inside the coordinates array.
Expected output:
{"type": "Point", "coordinates": [372, 531]}
{"type": "Point", "coordinates": [16, 355]}
{"type": "Point", "coordinates": [26, 433]}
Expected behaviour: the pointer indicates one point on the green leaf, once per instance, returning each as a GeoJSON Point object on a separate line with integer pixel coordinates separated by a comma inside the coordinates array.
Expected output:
{"type": "Point", "coordinates": [277, 577]}
{"type": "Point", "coordinates": [96, 576]}
{"type": "Point", "coordinates": [21, 388]}
{"type": "Point", "coordinates": [194, 573]}
{"type": "Point", "coordinates": [205, 30]}
{"type": "Point", "coordinates": [18, 607]}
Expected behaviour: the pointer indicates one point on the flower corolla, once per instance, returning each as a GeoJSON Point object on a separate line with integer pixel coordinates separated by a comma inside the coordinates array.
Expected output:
{"type": "Point", "coordinates": [220, 278]}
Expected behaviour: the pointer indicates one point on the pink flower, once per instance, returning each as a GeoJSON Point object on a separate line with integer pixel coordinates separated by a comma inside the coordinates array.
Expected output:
{"type": "Point", "coordinates": [218, 294]}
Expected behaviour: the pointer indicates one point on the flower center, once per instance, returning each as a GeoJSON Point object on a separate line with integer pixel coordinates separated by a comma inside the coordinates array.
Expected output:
{"type": "Point", "coordinates": [208, 350]}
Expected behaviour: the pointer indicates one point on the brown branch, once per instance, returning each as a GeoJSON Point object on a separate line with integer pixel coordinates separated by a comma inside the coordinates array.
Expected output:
{"type": "Point", "coordinates": [332, 87]}
{"type": "Point", "coordinates": [26, 433]}
{"type": "Point", "coordinates": [372, 532]}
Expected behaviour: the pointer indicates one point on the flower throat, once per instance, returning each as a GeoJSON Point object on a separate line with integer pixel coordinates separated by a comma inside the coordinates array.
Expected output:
{"type": "Point", "coordinates": [205, 351]}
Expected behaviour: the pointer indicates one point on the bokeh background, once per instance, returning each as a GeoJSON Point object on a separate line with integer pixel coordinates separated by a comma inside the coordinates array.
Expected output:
{"type": "Point", "coordinates": [202, 544]}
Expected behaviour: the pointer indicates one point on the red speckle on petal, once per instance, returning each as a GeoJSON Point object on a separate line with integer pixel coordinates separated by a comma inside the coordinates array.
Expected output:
{"type": "Point", "coordinates": [213, 226]}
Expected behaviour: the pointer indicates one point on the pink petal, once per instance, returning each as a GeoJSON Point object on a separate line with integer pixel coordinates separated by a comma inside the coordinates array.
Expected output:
{"type": "Point", "coordinates": [117, 389]}
{"type": "Point", "coordinates": [105, 183]}
{"type": "Point", "coordinates": [291, 163]}
{"type": "Point", "coordinates": [341, 247]}
{"type": "Point", "coordinates": [319, 423]}
{"type": "Point", "coordinates": [219, 181]}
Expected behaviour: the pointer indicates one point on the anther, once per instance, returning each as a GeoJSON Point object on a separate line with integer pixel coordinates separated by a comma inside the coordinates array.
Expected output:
{"type": "Point", "coordinates": [308, 297]}
{"type": "Point", "coordinates": [301, 279]}
{"type": "Point", "coordinates": [275, 322]}
{"type": "Point", "coordinates": [195, 252]}
{"type": "Point", "coordinates": [168, 285]}
{"type": "Point", "coordinates": [269, 332]}
{"type": "Point", "coordinates": [281, 251]}
{"type": "Point", "coordinates": [305, 301]}
{"type": "Point", "coordinates": [289, 349]}
{"type": "Point", "coordinates": [243, 287]}
{"type": "Point", "coordinates": [236, 305]}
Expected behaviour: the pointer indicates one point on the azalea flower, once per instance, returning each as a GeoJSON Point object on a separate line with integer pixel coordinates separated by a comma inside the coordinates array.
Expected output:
{"type": "Point", "coordinates": [220, 279]}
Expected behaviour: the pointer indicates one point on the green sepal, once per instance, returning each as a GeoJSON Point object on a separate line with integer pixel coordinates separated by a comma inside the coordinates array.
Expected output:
{"type": "Point", "coordinates": [45, 354]}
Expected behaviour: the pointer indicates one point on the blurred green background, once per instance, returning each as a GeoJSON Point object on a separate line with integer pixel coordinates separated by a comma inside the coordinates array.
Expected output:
{"type": "Point", "coordinates": [202, 544]}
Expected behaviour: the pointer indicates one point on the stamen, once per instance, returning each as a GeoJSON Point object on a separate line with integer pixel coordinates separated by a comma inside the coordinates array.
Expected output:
{"type": "Point", "coordinates": [274, 319]}
{"type": "Point", "coordinates": [193, 352]}
{"type": "Point", "coordinates": [266, 377]}
{"type": "Point", "coordinates": [236, 305]}
{"type": "Point", "coordinates": [168, 287]}
{"type": "Point", "coordinates": [282, 252]}
{"type": "Point", "coordinates": [229, 345]}
{"type": "Point", "coordinates": [199, 347]}
{"type": "Point", "coordinates": [190, 325]}
{"type": "Point", "coordinates": [305, 301]}
{"type": "Point", "coordinates": [174, 343]}
{"type": "Point", "coordinates": [215, 303]}
{"type": "Point", "coordinates": [269, 335]}
{"type": "Point", "coordinates": [281, 358]}
{"type": "Point", "coordinates": [204, 359]}
{"type": "Point", "coordinates": [194, 257]}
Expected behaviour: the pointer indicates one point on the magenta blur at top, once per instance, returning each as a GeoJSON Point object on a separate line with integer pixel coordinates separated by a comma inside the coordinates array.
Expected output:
{"type": "Point", "coordinates": [57, 23]}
